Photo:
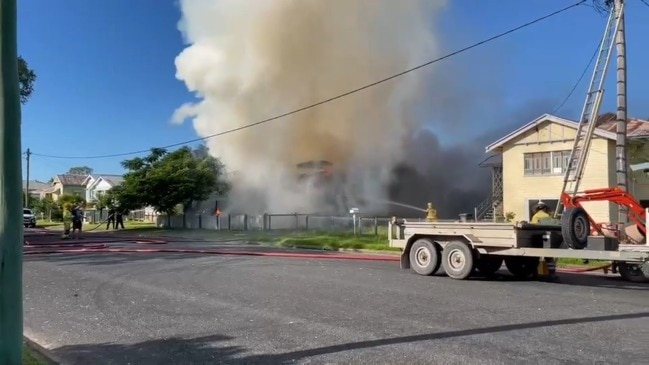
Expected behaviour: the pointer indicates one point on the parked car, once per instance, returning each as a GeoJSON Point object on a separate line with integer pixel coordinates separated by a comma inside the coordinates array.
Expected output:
{"type": "Point", "coordinates": [29, 219]}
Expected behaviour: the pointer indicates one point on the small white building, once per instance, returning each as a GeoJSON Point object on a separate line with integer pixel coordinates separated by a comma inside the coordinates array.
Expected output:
{"type": "Point", "coordinates": [99, 185]}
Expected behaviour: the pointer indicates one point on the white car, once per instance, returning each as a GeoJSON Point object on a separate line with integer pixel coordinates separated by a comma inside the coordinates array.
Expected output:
{"type": "Point", "coordinates": [29, 219]}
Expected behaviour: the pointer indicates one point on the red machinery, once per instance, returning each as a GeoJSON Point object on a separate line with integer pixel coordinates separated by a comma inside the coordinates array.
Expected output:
{"type": "Point", "coordinates": [614, 195]}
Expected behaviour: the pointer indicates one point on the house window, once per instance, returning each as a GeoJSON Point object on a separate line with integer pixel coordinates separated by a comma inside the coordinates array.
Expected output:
{"type": "Point", "coordinates": [546, 163]}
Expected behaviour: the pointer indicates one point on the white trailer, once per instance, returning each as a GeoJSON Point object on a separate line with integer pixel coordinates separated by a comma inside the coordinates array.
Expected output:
{"type": "Point", "coordinates": [465, 249]}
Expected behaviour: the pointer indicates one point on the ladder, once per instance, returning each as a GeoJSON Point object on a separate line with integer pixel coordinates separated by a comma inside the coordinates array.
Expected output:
{"type": "Point", "coordinates": [588, 120]}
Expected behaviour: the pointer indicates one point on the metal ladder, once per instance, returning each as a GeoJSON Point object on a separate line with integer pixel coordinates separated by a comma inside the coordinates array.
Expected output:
{"type": "Point", "coordinates": [588, 120]}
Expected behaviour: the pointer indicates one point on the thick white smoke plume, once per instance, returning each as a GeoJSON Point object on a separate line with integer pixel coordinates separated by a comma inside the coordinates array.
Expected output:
{"type": "Point", "coordinates": [248, 60]}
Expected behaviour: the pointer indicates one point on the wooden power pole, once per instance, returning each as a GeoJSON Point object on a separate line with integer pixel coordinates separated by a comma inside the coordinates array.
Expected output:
{"type": "Point", "coordinates": [11, 225]}
{"type": "Point", "coordinates": [621, 117]}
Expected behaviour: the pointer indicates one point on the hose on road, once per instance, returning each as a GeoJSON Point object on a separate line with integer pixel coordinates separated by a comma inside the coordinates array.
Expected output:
{"type": "Point", "coordinates": [101, 246]}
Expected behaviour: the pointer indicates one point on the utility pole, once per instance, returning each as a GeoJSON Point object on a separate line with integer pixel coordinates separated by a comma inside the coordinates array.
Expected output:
{"type": "Point", "coordinates": [28, 154]}
{"type": "Point", "coordinates": [11, 227]}
{"type": "Point", "coordinates": [621, 117]}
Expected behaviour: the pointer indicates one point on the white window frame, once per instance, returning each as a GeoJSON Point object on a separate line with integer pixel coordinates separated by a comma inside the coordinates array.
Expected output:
{"type": "Point", "coordinates": [545, 163]}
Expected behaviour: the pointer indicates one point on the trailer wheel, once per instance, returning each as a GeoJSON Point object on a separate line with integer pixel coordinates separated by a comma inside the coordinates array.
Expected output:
{"type": "Point", "coordinates": [522, 267]}
{"type": "Point", "coordinates": [424, 257]}
{"type": "Point", "coordinates": [488, 265]}
{"type": "Point", "coordinates": [459, 260]}
{"type": "Point", "coordinates": [575, 228]}
{"type": "Point", "coordinates": [633, 272]}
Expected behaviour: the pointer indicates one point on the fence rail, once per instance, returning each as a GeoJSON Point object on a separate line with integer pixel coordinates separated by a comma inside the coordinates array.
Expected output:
{"type": "Point", "coordinates": [274, 222]}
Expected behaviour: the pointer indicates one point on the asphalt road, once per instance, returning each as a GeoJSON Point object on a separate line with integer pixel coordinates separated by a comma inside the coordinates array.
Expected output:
{"type": "Point", "coordinates": [193, 309]}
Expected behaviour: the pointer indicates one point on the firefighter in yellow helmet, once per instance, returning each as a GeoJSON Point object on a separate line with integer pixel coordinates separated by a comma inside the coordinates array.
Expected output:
{"type": "Point", "coordinates": [541, 211]}
{"type": "Point", "coordinates": [67, 220]}
{"type": "Point", "coordinates": [431, 213]}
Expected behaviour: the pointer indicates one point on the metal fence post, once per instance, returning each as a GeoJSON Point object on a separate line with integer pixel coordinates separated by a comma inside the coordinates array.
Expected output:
{"type": "Point", "coordinates": [200, 221]}
{"type": "Point", "coordinates": [297, 222]}
{"type": "Point", "coordinates": [306, 222]}
{"type": "Point", "coordinates": [229, 222]}
{"type": "Point", "coordinates": [245, 222]}
{"type": "Point", "coordinates": [376, 226]}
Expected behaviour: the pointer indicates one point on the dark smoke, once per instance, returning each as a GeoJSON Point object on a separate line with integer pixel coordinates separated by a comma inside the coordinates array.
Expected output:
{"type": "Point", "coordinates": [449, 177]}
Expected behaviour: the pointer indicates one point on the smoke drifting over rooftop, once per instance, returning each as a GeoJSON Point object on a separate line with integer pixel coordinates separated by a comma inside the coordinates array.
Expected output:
{"type": "Point", "coordinates": [248, 60]}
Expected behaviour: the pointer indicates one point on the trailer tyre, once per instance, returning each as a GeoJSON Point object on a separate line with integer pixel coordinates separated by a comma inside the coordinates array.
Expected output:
{"type": "Point", "coordinates": [424, 257]}
{"type": "Point", "coordinates": [522, 267]}
{"type": "Point", "coordinates": [575, 228]}
{"type": "Point", "coordinates": [488, 265]}
{"type": "Point", "coordinates": [634, 272]}
{"type": "Point", "coordinates": [459, 260]}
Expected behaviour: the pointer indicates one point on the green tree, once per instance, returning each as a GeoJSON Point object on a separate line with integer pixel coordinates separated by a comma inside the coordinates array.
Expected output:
{"type": "Point", "coordinates": [70, 198]}
{"type": "Point", "coordinates": [638, 151]}
{"type": "Point", "coordinates": [164, 180]}
{"type": "Point", "coordinates": [46, 206]}
{"type": "Point", "coordinates": [26, 79]}
{"type": "Point", "coordinates": [80, 170]}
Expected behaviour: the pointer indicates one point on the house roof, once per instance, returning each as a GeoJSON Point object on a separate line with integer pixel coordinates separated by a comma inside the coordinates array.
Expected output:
{"type": "Point", "coordinates": [112, 180]}
{"type": "Point", "coordinates": [493, 160]}
{"type": "Point", "coordinates": [636, 128]}
{"type": "Point", "coordinates": [36, 185]}
{"type": "Point", "coordinates": [69, 179]}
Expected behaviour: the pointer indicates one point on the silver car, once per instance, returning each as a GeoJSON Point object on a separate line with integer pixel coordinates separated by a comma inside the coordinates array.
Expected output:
{"type": "Point", "coordinates": [29, 219]}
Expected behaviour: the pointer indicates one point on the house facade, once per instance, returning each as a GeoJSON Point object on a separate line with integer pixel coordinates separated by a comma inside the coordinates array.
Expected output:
{"type": "Point", "coordinates": [68, 184]}
{"type": "Point", "coordinates": [534, 158]}
{"type": "Point", "coordinates": [99, 185]}
{"type": "Point", "coordinates": [38, 189]}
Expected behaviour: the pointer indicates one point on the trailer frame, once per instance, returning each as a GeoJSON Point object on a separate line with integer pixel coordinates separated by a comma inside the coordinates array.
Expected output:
{"type": "Point", "coordinates": [465, 249]}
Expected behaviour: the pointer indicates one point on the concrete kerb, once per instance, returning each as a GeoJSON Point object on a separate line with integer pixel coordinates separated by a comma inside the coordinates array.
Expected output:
{"type": "Point", "coordinates": [43, 353]}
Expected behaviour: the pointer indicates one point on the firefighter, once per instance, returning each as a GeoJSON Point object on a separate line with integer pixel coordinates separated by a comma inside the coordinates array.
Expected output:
{"type": "Point", "coordinates": [111, 219]}
{"type": "Point", "coordinates": [431, 213]}
{"type": "Point", "coordinates": [541, 211]}
{"type": "Point", "coordinates": [67, 220]}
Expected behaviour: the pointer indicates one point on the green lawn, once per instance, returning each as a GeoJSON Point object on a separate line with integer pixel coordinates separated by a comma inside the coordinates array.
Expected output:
{"type": "Point", "coordinates": [330, 241]}
{"type": "Point", "coordinates": [564, 262]}
{"type": "Point", "coordinates": [31, 358]}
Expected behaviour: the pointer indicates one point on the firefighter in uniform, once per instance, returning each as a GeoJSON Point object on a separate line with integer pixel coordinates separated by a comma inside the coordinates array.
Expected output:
{"type": "Point", "coordinates": [431, 213]}
{"type": "Point", "coordinates": [541, 211]}
{"type": "Point", "coordinates": [67, 220]}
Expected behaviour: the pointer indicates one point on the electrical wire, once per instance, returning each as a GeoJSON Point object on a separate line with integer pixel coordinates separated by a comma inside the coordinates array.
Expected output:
{"type": "Point", "coordinates": [645, 2]}
{"type": "Point", "coordinates": [500, 35]}
{"type": "Point", "coordinates": [565, 100]}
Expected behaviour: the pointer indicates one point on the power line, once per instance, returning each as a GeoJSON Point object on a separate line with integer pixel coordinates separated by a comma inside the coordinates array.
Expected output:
{"type": "Point", "coordinates": [565, 100]}
{"type": "Point", "coordinates": [645, 2]}
{"type": "Point", "coordinates": [332, 98]}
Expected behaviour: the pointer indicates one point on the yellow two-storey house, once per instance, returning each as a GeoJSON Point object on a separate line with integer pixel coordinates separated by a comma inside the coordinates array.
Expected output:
{"type": "Point", "coordinates": [535, 156]}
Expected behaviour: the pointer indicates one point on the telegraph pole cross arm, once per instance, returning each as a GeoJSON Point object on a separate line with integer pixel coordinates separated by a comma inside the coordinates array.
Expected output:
{"type": "Point", "coordinates": [11, 227]}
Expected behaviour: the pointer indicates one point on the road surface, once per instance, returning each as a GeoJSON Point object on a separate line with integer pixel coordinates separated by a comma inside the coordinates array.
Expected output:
{"type": "Point", "coordinates": [194, 309]}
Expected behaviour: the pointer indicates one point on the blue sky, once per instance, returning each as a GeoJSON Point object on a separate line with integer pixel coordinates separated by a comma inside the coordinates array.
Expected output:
{"type": "Point", "coordinates": [106, 75]}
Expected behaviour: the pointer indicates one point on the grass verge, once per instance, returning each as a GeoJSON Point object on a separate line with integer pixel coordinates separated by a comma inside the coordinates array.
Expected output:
{"type": "Point", "coordinates": [330, 241]}
{"type": "Point", "coordinates": [565, 262]}
{"type": "Point", "coordinates": [30, 357]}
